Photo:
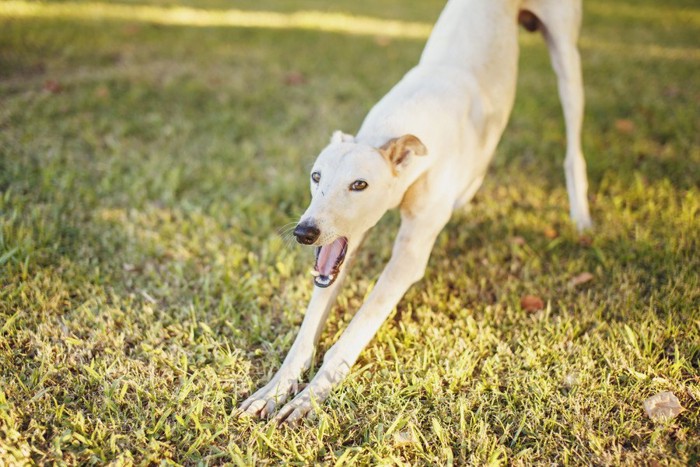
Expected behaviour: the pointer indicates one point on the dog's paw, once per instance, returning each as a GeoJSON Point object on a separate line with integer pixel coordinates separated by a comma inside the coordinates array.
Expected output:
{"type": "Point", "coordinates": [266, 399]}
{"type": "Point", "coordinates": [581, 217]}
{"type": "Point", "coordinates": [583, 223]}
{"type": "Point", "coordinates": [304, 403]}
{"type": "Point", "coordinates": [298, 408]}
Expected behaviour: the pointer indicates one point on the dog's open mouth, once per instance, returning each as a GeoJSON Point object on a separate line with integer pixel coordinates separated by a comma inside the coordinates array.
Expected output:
{"type": "Point", "coordinates": [329, 258]}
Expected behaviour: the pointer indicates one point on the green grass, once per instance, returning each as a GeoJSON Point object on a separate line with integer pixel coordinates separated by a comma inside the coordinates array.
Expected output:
{"type": "Point", "coordinates": [145, 289]}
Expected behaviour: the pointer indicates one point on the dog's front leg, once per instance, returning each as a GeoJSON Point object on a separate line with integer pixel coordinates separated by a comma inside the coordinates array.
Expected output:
{"type": "Point", "coordinates": [284, 382]}
{"type": "Point", "coordinates": [407, 265]}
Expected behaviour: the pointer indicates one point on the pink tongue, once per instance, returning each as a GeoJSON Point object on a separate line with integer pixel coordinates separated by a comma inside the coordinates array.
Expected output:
{"type": "Point", "coordinates": [328, 256]}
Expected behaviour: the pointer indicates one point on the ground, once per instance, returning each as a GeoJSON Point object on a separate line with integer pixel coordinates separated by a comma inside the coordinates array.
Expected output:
{"type": "Point", "coordinates": [150, 161]}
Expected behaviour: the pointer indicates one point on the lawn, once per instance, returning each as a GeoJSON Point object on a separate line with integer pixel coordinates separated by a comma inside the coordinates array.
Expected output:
{"type": "Point", "coordinates": [149, 163]}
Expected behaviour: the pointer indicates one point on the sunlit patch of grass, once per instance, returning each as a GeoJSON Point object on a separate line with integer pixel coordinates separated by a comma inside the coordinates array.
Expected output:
{"type": "Point", "coordinates": [146, 172]}
{"type": "Point", "coordinates": [185, 16]}
{"type": "Point", "coordinates": [334, 22]}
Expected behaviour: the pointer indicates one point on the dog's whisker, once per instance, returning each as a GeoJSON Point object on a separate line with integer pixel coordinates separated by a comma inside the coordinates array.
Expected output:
{"type": "Point", "coordinates": [288, 240]}
{"type": "Point", "coordinates": [287, 233]}
{"type": "Point", "coordinates": [287, 227]}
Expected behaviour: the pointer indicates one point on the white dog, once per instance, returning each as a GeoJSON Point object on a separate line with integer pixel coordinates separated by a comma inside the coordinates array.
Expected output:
{"type": "Point", "coordinates": [425, 147]}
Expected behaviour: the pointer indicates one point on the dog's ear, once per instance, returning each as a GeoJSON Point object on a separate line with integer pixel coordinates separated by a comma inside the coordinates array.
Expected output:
{"type": "Point", "coordinates": [398, 150]}
{"type": "Point", "coordinates": [340, 137]}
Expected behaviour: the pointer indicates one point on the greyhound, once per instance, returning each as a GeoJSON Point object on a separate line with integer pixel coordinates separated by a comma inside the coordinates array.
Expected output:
{"type": "Point", "coordinates": [424, 148]}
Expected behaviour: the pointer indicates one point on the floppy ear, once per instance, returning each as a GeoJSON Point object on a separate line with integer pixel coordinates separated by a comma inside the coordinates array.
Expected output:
{"type": "Point", "coordinates": [340, 137]}
{"type": "Point", "coordinates": [397, 151]}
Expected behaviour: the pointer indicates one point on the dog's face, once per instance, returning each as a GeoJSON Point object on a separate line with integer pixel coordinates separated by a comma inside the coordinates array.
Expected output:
{"type": "Point", "coordinates": [352, 186]}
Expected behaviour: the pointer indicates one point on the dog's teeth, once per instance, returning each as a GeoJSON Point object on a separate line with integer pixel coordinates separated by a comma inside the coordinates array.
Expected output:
{"type": "Point", "coordinates": [315, 273]}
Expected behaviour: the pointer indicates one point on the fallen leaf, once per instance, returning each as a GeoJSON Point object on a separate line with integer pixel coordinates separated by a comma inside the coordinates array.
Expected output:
{"type": "Point", "coordinates": [624, 125]}
{"type": "Point", "coordinates": [518, 240]}
{"type": "Point", "coordinates": [662, 406]}
{"type": "Point", "coordinates": [102, 91]}
{"type": "Point", "coordinates": [570, 380]}
{"type": "Point", "coordinates": [531, 303]}
{"type": "Point", "coordinates": [585, 240]}
{"type": "Point", "coordinates": [131, 29]}
{"type": "Point", "coordinates": [550, 233]}
{"type": "Point", "coordinates": [582, 278]}
{"type": "Point", "coordinates": [294, 78]}
{"type": "Point", "coordinates": [402, 438]}
{"type": "Point", "coordinates": [672, 91]}
{"type": "Point", "coordinates": [53, 86]}
{"type": "Point", "coordinates": [382, 41]}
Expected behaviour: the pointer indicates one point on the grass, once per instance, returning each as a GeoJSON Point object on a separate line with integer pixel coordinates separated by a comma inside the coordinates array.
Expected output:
{"type": "Point", "coordinates": [145, 290]}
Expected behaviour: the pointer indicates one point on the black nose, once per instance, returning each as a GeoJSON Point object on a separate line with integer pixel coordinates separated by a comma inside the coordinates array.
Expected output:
{"type": "Point", "coordinates": [306, 233]}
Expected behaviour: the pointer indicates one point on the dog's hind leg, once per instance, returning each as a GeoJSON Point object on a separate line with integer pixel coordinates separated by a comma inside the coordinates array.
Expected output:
{"type": "Point", "coordinates": [559, 21]}
{"type": "Point", "coordinates": [265, 400]}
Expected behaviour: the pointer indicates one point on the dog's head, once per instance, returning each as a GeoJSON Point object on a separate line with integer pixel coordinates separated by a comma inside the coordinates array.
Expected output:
{"type": "Point", "coordinates": [352, 186]}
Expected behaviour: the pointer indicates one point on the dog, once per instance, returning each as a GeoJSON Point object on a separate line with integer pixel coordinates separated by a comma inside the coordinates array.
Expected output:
{"type": "Point", "coordinates": [424, 148]}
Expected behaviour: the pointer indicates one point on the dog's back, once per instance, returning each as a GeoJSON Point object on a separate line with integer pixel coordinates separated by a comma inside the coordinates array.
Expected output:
{"type": "Point", "coordinates": [479, 37]}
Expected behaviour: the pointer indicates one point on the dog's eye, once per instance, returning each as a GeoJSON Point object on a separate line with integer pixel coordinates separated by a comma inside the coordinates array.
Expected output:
{"type": "Point", "coordinates": [358, 185]}
{"type": "Point", "coordinates": [316, 177]}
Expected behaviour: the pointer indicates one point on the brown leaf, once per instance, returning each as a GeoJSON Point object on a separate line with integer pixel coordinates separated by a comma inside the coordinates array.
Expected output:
{"type": "Point", "coordinates": [624, 125]}
{"type": "Point", "coordinates": [294, 78]}
{"type": "Point", "coordinates": [531, 303]}
{"type": "Point", "coordinates": [662, 406]}
{"type": "Point", "coordinates": [550, 233]}
{"type": "Point", "coordinates": [131, 29]}
{"type": "Point", "coordinates": [671, 91]}
{"type": "Point", "coordinates": [582, 278]}
{"type": "Point", "coordinates": [102, 92]}
{"type": "Point", "coordinates": [53, 86]}
{"type": "Point", "coordinates": [518, 240]}
{"type": "Point", "coordinates": [585, 240]}
{"type": "Point", "coordinates": [382, 41]}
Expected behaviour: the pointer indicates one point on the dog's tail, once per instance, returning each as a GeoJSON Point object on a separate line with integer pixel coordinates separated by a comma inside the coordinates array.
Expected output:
{"type": "Point", "coordinates": [529, 21]}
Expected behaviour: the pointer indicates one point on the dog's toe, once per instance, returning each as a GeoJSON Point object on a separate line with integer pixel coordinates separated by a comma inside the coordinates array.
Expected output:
{"type": "Point", "coordinates": [269, 408]}
{"type": "Point", "coordinates": [251, 407]}
{"type": "Point", "coordinates": [297, 415]}
{"type": "Point", "coordinates": [264, 401]}
{"type": "Point", "coordinates": [584, 223]}
{"type": "Point", "coordinates": [305, 403]}
{"type": "Point", "coordinates": [293, 413]}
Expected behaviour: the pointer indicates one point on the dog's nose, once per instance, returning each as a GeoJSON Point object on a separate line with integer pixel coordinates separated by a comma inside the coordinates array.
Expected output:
{"type": "Point", "coordinates": [306, 233]}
